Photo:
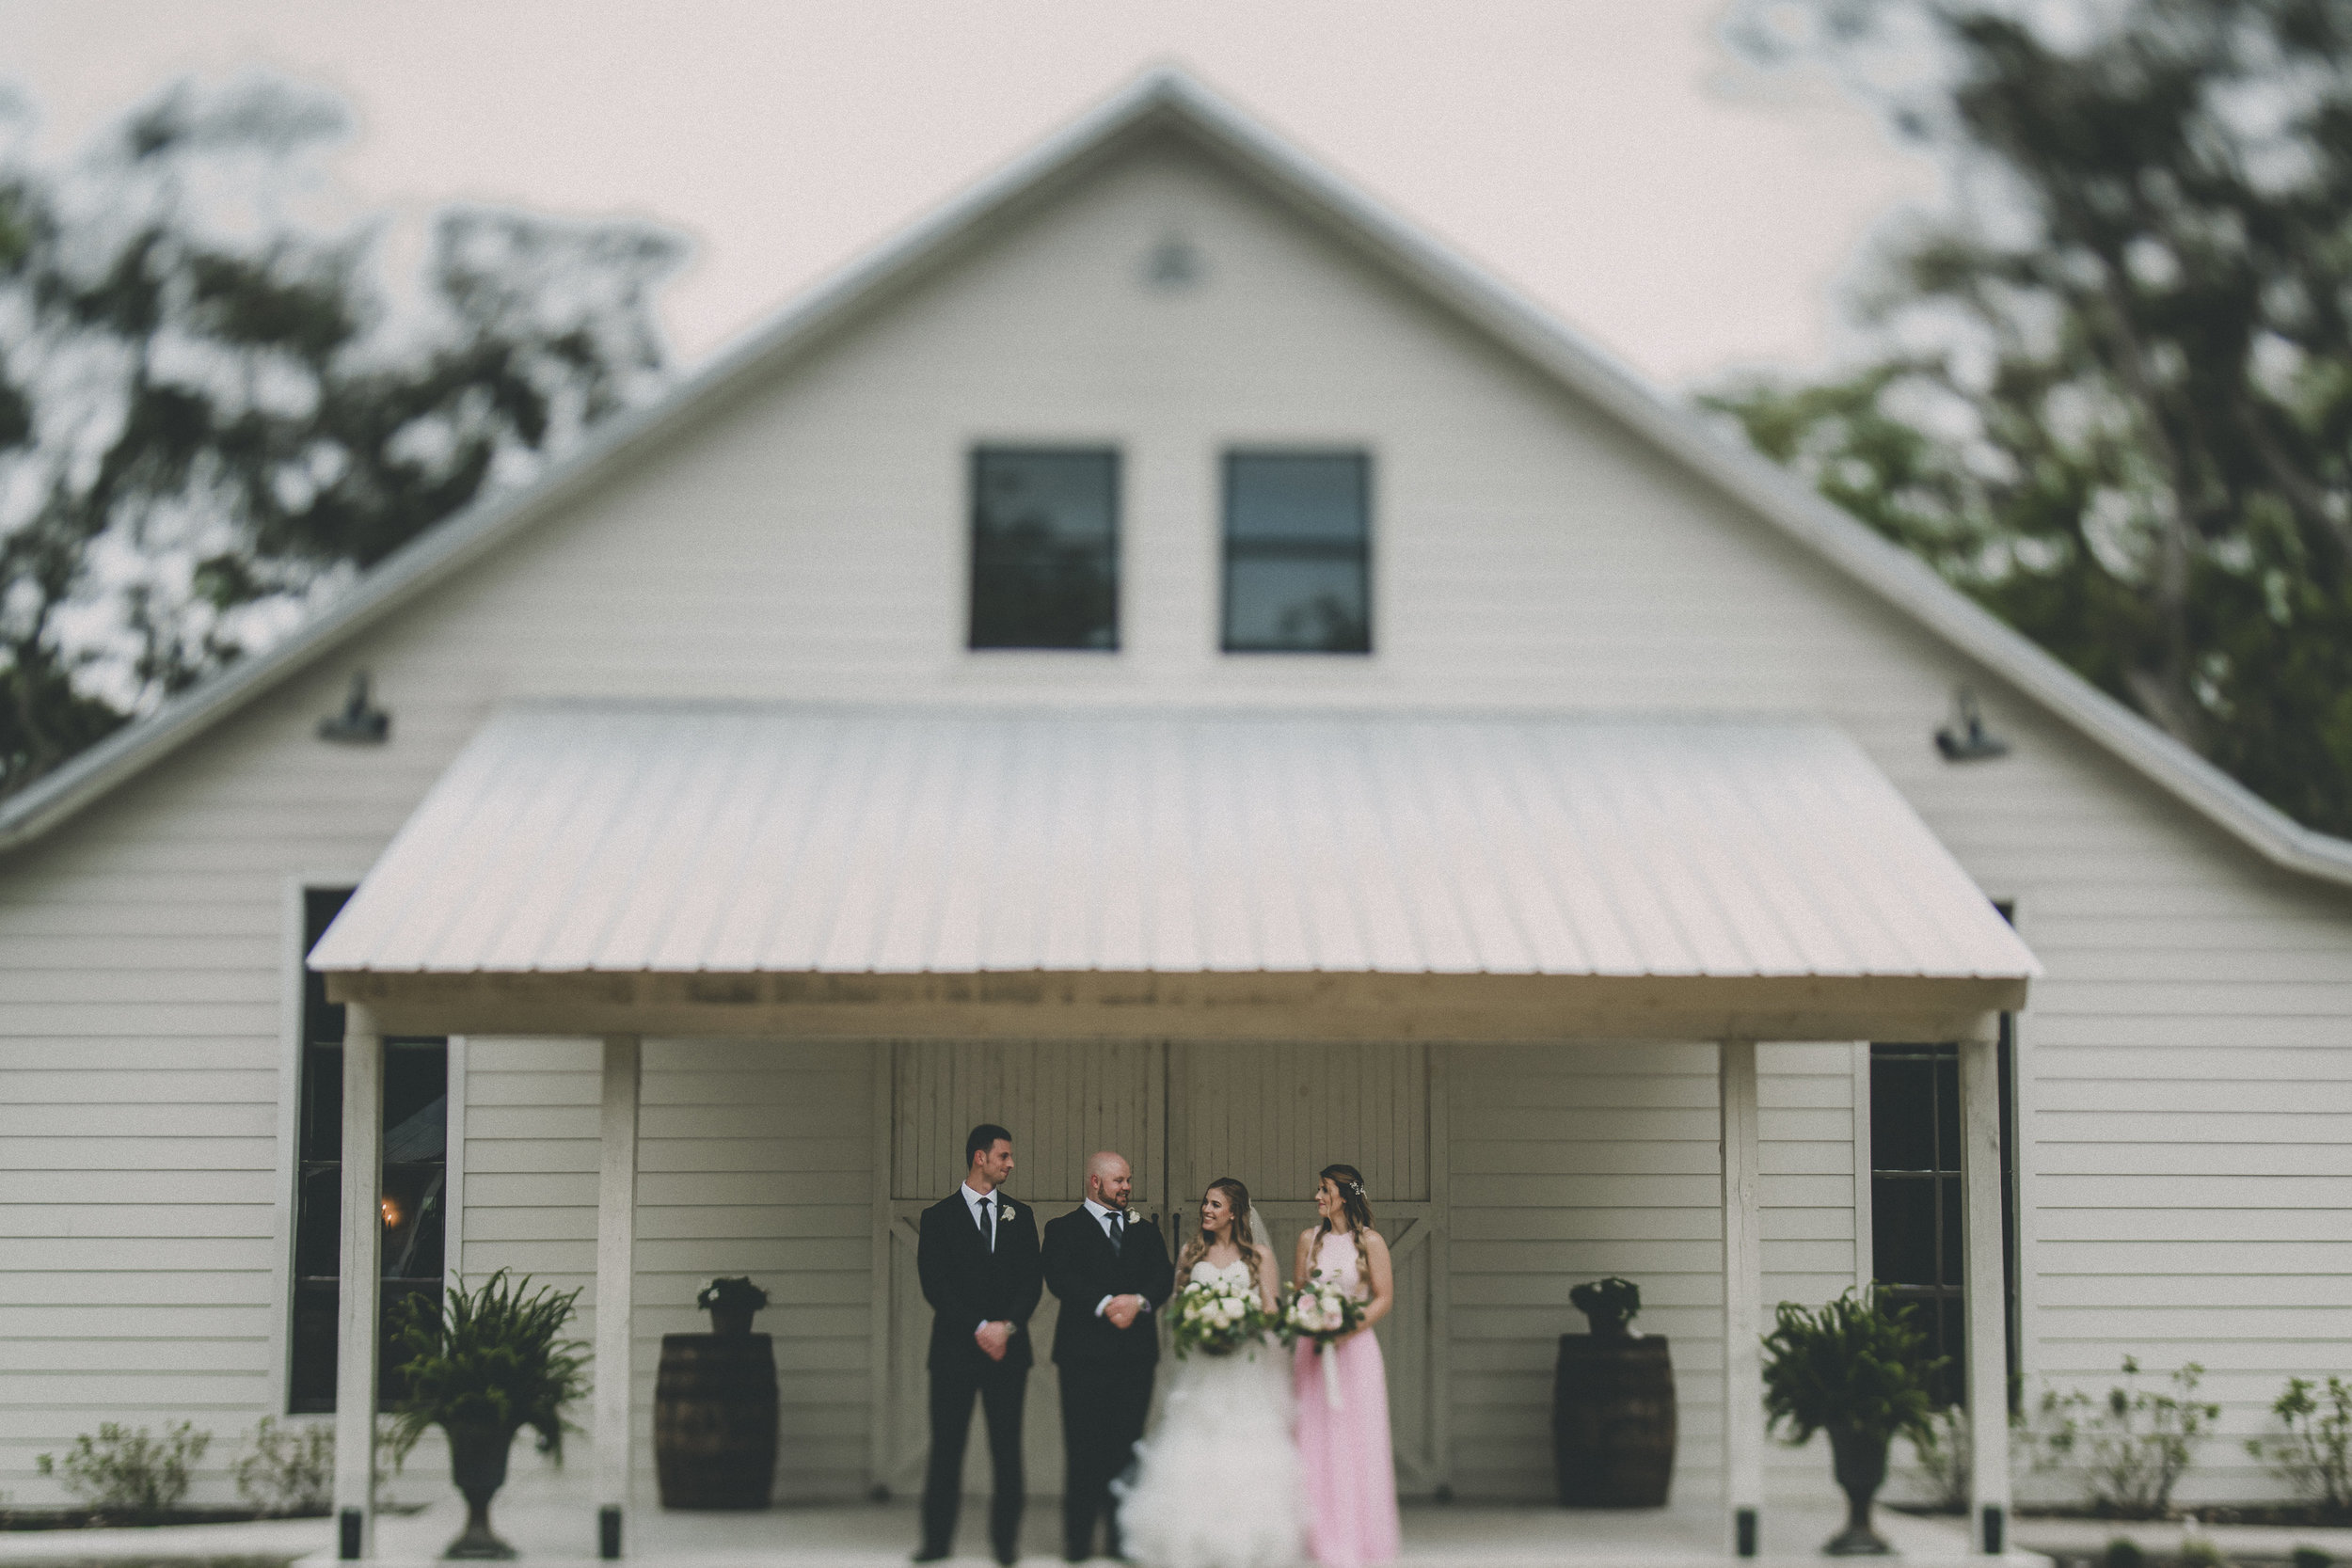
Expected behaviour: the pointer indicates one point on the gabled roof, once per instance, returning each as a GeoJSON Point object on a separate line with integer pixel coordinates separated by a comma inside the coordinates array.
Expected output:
{"type": "Point", "coordinates": [1168, 102]}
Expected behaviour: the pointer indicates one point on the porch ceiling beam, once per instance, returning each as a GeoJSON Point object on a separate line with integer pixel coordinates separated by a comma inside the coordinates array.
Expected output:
{"type": "Point", "coordinates": [1094, 1004]}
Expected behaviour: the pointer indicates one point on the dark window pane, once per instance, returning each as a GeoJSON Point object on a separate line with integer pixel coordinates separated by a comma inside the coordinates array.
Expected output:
{"type": "Point", "coordinates": [1903, 1229]}
{"type": "Point", "coordinates": [1297, 553]}
{"type": "Point", "coordinates": [322, 1020]}
{"type": "Point", "coordinates": [1902, 1114]}
{"type": "Point", "coordinates": [1950, 1383]}
{"type": "Point", "coordinates": [1948, 1113]}
{"type": "Point", "coordinates": [1954, 1274]}
{"type": "Point", "coordinates": [310, 1378]}
{"type": "Point", "coordinates": [1044, 550]}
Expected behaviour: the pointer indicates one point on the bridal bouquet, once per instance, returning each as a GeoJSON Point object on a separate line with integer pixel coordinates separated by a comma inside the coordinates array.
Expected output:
{"type": "Point", "coordinates": [1217, 1318]}
{"type": "Point", "coordinates": [1320, 1312]}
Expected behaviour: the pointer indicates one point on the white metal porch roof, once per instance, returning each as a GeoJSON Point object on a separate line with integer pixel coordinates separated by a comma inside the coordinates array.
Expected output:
{"type": "Point", "coordinates": [607, 839]}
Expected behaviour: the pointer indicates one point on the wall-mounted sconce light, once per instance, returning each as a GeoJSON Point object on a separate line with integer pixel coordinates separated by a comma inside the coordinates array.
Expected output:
{"type": "Point", "coordinates": [392, 1216]}
{"type": "Point", "coordinates": [360, 722]}
{"type": "Point", "coordinates": [1965, 739]}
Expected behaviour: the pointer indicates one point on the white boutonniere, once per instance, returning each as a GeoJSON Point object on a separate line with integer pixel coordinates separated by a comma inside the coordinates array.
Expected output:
{"type": "Point", "coordinates": [1008, 1211]}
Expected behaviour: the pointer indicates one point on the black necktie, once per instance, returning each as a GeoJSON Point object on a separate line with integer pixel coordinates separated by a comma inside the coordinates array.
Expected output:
{"type": "Point", "coordinates": [988, 1222]}
{"type": "Point", "coordinates": [1119, 1233]}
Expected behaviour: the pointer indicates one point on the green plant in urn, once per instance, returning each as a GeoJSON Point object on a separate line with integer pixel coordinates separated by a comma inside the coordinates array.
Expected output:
{"type": "Point", "coordinates": [1857, 1370]}
{"type": "Point", "coordinates": [490, 1362]}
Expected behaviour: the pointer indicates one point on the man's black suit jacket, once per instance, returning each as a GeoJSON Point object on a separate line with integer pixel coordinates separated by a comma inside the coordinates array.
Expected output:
{"type": "Point", "coordinates": [967, 1285]}
{"type": "Point", "coordinates": [1082, 1267]}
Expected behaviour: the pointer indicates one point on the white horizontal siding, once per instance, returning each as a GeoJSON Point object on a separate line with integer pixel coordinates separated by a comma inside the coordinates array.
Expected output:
{"type": "Point", "coordinates": [808, 545]}
{"type": "Point", "coordinates": [1572, 1163]}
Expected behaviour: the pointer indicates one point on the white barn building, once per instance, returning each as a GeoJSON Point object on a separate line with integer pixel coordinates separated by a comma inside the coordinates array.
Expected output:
{"type": "Point", "coordinates": [1163, 657]}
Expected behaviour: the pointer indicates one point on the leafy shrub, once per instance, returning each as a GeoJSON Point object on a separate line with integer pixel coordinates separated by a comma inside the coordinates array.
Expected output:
{"type": "Point", "coordinates": [1942, 1447]}
{"type": "Point", "coordinates": [125, 1472]}
{"type": "Point", "coordinates": [2315, 1455]}
{"type": "Point", "coordinates": [2311, 1557]}
{"type": "Point", "coordinates": [2199, 1551]}
{"type": "Point", "coordinates": [289, 1469]}
{"type": "Point", "coordinates": [2131, 1446]}
{"type": "Point", "coordinates": [2123, 1552]}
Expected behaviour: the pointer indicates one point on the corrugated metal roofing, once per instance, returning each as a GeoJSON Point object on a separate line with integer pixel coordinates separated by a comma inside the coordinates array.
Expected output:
{"type": "Point", "coordinates": [570, 838]}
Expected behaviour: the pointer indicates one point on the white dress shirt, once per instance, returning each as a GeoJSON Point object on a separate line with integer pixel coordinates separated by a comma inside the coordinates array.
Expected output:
{"type": "Point", "coordinates": [975, 1201]}
{"type": "Point", "coordinates": [1102, 1217]}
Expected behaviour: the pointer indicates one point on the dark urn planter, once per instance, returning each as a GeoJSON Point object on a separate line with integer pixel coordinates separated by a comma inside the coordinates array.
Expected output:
{"type": "Point", "coordinates": [477, 1462]}
{"type": "Point", "coordinates": [1613, 1420]}
{"type": "Point", "coordinates": [1858, 1460]}
{"type": "Point", "coordinates": [714, 1420]}
{"type": "Point", "coordinates": [731, 1319]}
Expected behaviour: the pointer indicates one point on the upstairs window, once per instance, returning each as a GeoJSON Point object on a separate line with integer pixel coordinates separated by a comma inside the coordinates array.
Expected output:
{"type": "Point", "coordinates": [1297, 553]}
{"type": "Point", "coordinates": [1044, 548]}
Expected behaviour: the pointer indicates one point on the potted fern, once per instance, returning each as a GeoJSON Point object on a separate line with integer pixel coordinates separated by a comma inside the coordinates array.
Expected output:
{"type": "Point", "coordinates": [490, 1362]}
{"type": "Point", "coordinates": [1857, 1370]}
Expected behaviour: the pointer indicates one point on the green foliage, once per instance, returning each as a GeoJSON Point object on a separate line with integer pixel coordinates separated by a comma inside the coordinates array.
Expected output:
{"type": "Point", "coordinates": [1851, 1366]}
{"type": "Point", "coordinates": [211, 415]}
{"type": "Point", "coordinates": [2199, 1551]}
{"type": "Point", "coordinates": [2311, 1557]}
{"type": "Point", "coordinates": [2131, 1446]}
{"type": "Point", "coordinates": [127, 1473]}
{"type": "Point", "coordinates": [2114, 397]}
{"type": "Point", "coordinates": [1613, 1301]}
{"type": "Point", "coordinates": [2315, 1455]}
{"type": "Point", "coordinates": [2123, 1552]}
{"type": "Point", "coordinates": [730, 1292]}
{"type": "Point", "coordinates": [288, 1468]}
{"type": "Point", "coordinates": [494, 1355]}
{"type": "Point", "coordinates": [1942, 1448]}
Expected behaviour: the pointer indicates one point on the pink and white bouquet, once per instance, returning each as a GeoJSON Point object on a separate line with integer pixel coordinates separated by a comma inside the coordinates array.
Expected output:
{"type": "Point", "coordinates": [1321, 1313]}
{"type": "Point", "coordinates": [1216, 1317]}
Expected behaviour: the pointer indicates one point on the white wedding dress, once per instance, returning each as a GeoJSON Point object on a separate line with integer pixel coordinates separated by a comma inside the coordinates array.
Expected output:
{"type": "Point", "coordinates": [1216, 1483]}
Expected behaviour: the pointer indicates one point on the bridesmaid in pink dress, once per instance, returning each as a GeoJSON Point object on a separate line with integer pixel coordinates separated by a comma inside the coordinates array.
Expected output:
{"type": "Point", "coordinates": [1343, 1448]}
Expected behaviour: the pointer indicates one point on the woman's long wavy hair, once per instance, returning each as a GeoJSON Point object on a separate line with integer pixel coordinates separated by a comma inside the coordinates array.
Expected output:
{"type": "Point", "coordinates": [1237, 1199]}
{"type": "Point", "coordinates": [1350, 1182]}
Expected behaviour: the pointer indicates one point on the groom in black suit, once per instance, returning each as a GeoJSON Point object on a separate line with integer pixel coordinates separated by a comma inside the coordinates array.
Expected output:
{"type": "Point", "coordinates": [977, 1259]}
{"type": "Point", "coordinates": [1111, 1275]}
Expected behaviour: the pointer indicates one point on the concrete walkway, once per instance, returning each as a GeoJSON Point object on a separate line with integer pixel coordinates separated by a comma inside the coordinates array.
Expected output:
{"type": "Point", "coordinates": [286, 1538]}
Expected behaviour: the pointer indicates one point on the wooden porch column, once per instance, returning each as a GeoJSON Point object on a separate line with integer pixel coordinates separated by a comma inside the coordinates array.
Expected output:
{"type": "Point", "coordinates": [617, 1278]}
{"type": "Point", "coordinates": [1984, 1293]}
{"type": "Point", "coordinates": [357, 1301]}
{"type": "Point", "coordinates": [1743, 1291]}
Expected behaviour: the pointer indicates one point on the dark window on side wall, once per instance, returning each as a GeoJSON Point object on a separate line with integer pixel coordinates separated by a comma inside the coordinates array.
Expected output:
{"type": "Point", "coordinates": [1044, 549]}
{"type": "Point", "coordinates": [416, 1175]}
{"type": "Point", "coordinates": [1298, 552]}
{"type": "Point", "coordinates": [1916, 1198]}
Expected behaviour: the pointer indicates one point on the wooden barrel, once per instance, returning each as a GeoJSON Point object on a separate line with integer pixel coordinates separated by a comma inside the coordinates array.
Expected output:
{"type": "Point", "coordinates": [1613, 1421]}
{"type": "Point", "coordinates": [714, 1420]}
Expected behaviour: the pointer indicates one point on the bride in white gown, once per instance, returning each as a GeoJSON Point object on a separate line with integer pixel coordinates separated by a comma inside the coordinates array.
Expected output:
{"type": "Point", "coordinates": [1216, 1483]}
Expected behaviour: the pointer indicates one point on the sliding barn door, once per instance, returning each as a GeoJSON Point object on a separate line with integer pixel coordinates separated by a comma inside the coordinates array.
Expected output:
{"type": "Point", "coordinates": [1274, 1116]}
{"type": "Point", "coordinates": [1061, 1101]}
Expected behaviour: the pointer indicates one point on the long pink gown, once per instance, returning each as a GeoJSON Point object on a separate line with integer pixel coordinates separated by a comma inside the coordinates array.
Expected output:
{"type": "Point", "coordinates": [1351, 1481]}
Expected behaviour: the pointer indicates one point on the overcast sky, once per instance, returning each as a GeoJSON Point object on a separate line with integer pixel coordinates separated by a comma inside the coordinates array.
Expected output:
{"type": "Point", "coordinates": [1609, 157]}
